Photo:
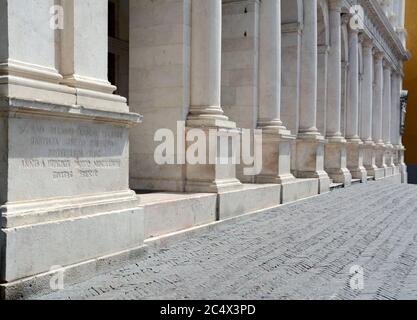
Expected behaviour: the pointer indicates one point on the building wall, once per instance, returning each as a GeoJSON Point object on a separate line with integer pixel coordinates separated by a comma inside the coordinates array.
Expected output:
{"type": "Point", "coordinates": [159, 85]}
{"type": "Point", "coordinates": [410, 84]}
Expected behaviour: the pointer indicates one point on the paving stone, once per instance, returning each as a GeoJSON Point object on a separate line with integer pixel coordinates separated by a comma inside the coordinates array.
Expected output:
{"type": "Point", "coordinates": [300, 251]}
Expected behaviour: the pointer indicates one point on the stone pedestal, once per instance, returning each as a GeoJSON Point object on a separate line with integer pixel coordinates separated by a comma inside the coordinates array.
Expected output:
{"type": "Point", "coordinates": [380, 161]}
{"type": "Point", "coordinates": [355, 161]}
{"type": "Point", "coordinates": [389, 170]}
{"type": "Point", "coordinates": [396, 160]}
{"type": "Point", "coordinates": [276, 159]}
{"type": "Point", "coordinates": [217, 170]}
{"type": "Point", "coordinates": [310, 161]}
{"type": "Point", "coordinates": [369, 160]}
{"type": "Point", "coordinates": [336, 163]}
{"type": "Point", "coordinates": [403, 166]}
{"type": "Point", "coordinates": [65, 196]}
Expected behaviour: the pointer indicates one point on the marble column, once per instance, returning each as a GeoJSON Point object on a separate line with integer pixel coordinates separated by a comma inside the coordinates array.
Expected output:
{"type": "Point", "coordinates": [277, 139]}
{"type": "Point", "coordinates": [354, 143]}
{"type": "Point", "coordinates": [310, 144]}
{"type": "Point", "coordinates": [205, 110]}
{"type": "Point", "coordinates": [335, 149]}
{"type": "Point", "coordinates": [386, 119]}
{"type": "Point", "coordinates": [366, 110]}
{"type": "Point", "coordinates": [322, 73]}
{"type": "Point", "coordinates": [377, 116]}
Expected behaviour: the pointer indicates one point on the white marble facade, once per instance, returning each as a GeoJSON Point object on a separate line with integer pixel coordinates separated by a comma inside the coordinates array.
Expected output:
{"type": "Point", "coordinates": [322, 79]}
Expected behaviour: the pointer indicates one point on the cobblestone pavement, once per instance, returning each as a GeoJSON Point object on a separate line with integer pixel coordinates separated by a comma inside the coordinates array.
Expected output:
{"type": "Point", "coordinates": [303, 250]}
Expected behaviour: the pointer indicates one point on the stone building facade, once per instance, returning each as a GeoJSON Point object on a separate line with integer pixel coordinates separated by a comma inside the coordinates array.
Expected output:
{"type": "Point", "coordinates": [410, 82]}
{"type": "Point", "coordinates": [85, 85]}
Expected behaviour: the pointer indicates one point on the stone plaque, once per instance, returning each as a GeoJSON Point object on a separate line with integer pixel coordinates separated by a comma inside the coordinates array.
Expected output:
{"type": "Point", "coordinates": [52, 158]}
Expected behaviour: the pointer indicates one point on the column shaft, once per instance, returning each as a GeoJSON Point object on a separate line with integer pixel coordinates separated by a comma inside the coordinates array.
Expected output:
{"type": "Point", "coordinates": [334, 80]}
{"type": "Point", "coordinates": [308, 78]}
{"type": "Point", "coordinates": [378, 100]}
{"type": "Point", "coordinates": [395, 108]}
{"type": "Point", "coordinates": [367, 85]}
{"type": "Point", "coordinates": [352, 108]}
{"type": "Point", "coordinates": [386, 114]}
{"type": "Point", "coordinates": [270, 65]}
{"type": "Point", "coordinates": [386, 119]}
{"type": "Point", "coordinates": [206, 41]}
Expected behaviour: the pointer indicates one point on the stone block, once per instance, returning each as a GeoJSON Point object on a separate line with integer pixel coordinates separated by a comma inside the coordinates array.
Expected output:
{"type": "Point", "coordinates": [247, 199]}
{"type": "Point", "coordinates": [299, 189]}
{"type": "Point", "coordinates": [36, 248]}
{"type": "Point", "coordinates": [171, 212]}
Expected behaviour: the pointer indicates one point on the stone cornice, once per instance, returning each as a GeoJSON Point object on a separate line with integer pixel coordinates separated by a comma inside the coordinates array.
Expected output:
{"type": "Point", "coordinates": [12, 107]}
{"type": "Point", "coordinates": [378, 27]}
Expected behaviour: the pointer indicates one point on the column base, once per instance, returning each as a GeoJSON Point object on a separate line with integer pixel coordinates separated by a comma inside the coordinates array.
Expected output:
{"type": "Point", "coordinates": [402, 165]}
{"type": "Point", "coordinates": [389, 170]}
{"type": "Point", "coordinates": [369, 159]}
{"type": "Point", "coordinates": [380, 173]}
{"type": "Point", "coordinates": [276, 158]}
{"type": "Point", "coordinates": [335, 163]}
{"type": "Point", "coordinates": [211, 174]}
{"type": "Point", "coordinates": [355, 161]}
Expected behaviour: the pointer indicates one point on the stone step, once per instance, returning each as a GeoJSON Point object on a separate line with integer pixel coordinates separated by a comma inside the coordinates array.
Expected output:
{"type": "Point", "coordinates": [166, 213]}
{"type": "Point", "coordinates": [356, 181]}
{"type": "Point", "coordinates": [334, 186]}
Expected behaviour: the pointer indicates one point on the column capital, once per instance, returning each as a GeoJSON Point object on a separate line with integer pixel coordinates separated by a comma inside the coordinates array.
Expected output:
{"type": "Point", "coordinates": [367, 43]}
{"type": "Point", "coordinates": [387, 65]}
{"type": "Point", "coordinates": [345, 19]}
{"type": "Point", "coordinates": [379, 55]}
